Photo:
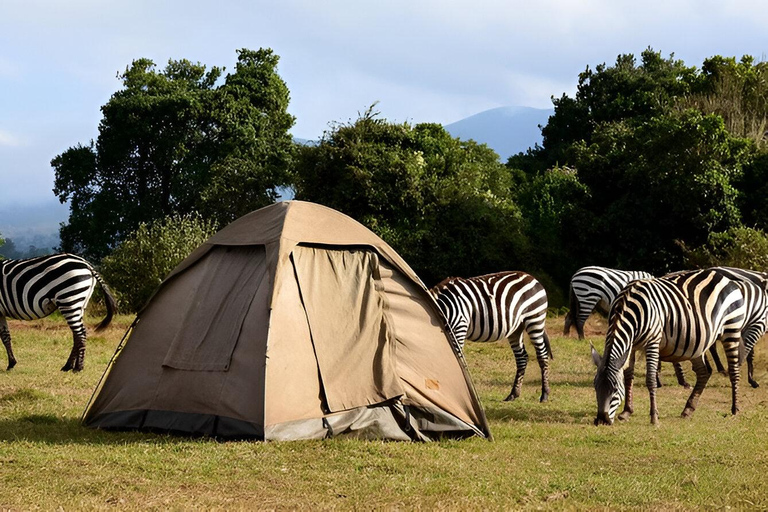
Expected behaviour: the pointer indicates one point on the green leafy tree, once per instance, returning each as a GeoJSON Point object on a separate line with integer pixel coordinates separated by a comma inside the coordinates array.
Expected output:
{"type": "Point", "coordinates": [177, 141]}
{"type": "Point", "coordinates": [658, 183]}
{"type": "Point", "coordinates": [445, 204]}
{"type": "Point", "coordinates": [625, 91]}
{"type": "Point", "coordinates": [556, 207]}
{"type": "Point", "coordinates": [656, 148]}
{"type": "Point", "coordinates": [139, 263]}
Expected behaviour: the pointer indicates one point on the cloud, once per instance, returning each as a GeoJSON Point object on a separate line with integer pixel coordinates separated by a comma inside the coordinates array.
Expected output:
{"type": "Point", "coordinates": [9, 140]}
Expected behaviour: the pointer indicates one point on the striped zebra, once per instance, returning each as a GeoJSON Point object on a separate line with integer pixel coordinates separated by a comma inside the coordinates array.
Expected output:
{"type": "Point", "coordinates": [35, 288]}
{"type": "Point", "coordinates": [595, 287]}
{"type": "Point", "coordinates": [757, 307]}
{"type": "Point", "coordinates": [498, 306]}
{"type": "Point", "coordinates": [673, 319]}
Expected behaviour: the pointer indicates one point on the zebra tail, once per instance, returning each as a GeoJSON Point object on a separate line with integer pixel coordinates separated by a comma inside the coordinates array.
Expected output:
{"type": "Point", "coordinates": [110, 301]}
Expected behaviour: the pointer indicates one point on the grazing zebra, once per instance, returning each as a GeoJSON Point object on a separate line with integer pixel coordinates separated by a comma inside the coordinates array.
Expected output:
{"type": "Point", "coordinates": [593, 287]}
{"type": "Point", "coordinates": [759, 279]}
{"type": "Point", "coordinates": [497, 306]}
{"type": "Point", "coordinates": [756, 307]}
{"type": "Point", "coordinates": [35, 288]}
{"type": "Point", "coordinates": [674, 319]}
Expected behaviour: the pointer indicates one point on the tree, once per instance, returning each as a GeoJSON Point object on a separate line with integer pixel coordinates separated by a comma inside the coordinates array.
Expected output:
{"type": "Point", "coordinates": [173, 141]}
{"type": "Point", "coordinates": [444, 204]}
{"type": "Point", "coordinates": [662, 182]}
{"type": "Point", "coordinates": [139, 263]}
{"type": "Point", "coordinates": [659, 170]}
{"type": "Point", "coordinates": [607, 94]}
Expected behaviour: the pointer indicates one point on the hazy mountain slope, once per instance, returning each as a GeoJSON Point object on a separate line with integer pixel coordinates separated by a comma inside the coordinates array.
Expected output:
{"type": "Point", "coordinates": [508, 130]}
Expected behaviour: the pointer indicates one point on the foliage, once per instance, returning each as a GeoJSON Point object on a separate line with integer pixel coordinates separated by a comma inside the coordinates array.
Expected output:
{"type": "Point", "coordinates": [444, 204]}
{"type": "Point", "coordinates": [737, 92]}
{"type": "Point", "coordinates": [174, 141]}
{"type": "Point", "coordinates": [739, 247]}
{"type": "Point", "coordinates": [139, 264]}
{"type": "Point", "coordinates": [608, 94]}
{"type": "Point", "coordinates": [668, 179]}
{"type": "Point", "coordinates": [655, 148]}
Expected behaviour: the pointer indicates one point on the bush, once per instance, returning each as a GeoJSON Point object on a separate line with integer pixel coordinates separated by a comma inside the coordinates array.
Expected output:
{"type": "Point", "coordinates": [740, 247]}
{"type": "Point", "coordinates": [139, 264]}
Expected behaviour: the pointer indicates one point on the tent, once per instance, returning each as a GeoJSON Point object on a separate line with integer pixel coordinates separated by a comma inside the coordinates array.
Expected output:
{"type": "Point", "coordinates": [292, 322]}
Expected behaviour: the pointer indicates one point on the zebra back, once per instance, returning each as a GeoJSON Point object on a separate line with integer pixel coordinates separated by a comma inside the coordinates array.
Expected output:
{"type": "Point", "coordinates": [493, 306]}
{"type": "Point", "coordinates": [593, 287]}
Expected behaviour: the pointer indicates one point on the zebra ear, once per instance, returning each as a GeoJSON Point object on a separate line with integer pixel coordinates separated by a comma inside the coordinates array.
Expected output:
{"type": "Point", "coordinates": [595, 355]}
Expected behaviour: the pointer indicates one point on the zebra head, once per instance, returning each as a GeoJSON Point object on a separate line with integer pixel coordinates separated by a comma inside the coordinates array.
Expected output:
{"type": "Point", "coordinates": [609, 388]}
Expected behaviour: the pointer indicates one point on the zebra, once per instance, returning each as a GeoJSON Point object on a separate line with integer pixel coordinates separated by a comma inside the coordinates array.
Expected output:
{"type": "Point", "coordinates": [756, 305]}
{"type": "Point", "coordinates": [497, 306]}
{"type": "Point", "coordinates": [35, 288]}
{"type": "Point", "coordinates": [595, 287]}
{"type": "Point", "coordinates": [672, 318]}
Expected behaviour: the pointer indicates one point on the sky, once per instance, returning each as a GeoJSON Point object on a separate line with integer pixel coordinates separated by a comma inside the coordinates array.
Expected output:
{"type": "Point", "coordinates": [421, 60]}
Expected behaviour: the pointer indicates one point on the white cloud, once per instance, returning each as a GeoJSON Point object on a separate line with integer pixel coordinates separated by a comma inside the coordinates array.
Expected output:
{"type": "Point", "coordinates": [7, 139]}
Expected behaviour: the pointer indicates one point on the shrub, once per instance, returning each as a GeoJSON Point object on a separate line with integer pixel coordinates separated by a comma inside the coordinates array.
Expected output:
{"type": "Point", "coordinates": [139, 264]}
{"type": "Point", "coordinates": [740, 247]}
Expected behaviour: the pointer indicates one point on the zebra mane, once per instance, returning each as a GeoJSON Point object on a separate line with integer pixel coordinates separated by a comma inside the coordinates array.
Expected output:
{"type": "Point", "coordinates": [445, 282]}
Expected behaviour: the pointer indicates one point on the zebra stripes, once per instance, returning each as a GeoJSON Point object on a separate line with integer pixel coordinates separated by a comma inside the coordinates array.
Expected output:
{"type": "Point", "coordinates": [674, 319]}
{"type": "Point", "coordinates": [758, 311]}
{"type": "Point", "coordinates": [35, 288]}
{"type": "Point", "coordinates": [593, 287]}
{"type": "Point", "coordinates": [498, 306]}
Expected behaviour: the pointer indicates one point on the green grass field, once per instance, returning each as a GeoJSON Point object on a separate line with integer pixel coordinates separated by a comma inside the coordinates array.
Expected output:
{"type": "Point", "coordinates": [544, 455]}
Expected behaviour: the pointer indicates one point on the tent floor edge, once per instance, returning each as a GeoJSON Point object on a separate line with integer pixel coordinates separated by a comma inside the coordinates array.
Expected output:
{"type": "Point", "coordinates": [178, 423]}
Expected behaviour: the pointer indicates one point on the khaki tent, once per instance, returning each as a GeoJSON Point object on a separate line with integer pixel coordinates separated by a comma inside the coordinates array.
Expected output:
{"type": "Point", "coordinates": [293, 322]}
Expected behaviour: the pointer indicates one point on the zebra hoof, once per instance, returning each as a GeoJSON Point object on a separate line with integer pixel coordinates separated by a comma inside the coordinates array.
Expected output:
{"type": "Point", "coordinates": [66, 367]}
{"type": "Point", "coordinates": [544, 398]}
{"type": "Point", "coordinates": [625, 415]}
{"type": "Point", "coordinates": [754, 384]}
{"type": "Point", "coordinates": [11, 364]}
{"type": "Point", "coordinates": [510, 397]}
{"type": "Point", "coordinates": [687, 412]}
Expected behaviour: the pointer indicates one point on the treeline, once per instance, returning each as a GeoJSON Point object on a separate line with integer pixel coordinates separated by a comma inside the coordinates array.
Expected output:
{"type": "Point", "coordinates": [9, 250]}
{"type": "Point", "coordinates": [653, 165]}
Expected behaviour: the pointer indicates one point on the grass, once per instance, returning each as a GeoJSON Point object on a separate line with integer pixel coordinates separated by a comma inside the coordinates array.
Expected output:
{"type": "Point", "coordinates": [544, 455]}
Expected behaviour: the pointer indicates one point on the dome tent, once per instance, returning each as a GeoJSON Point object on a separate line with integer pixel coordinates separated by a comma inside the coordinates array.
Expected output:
{"type": "Point", "coordinates": [293, 322]}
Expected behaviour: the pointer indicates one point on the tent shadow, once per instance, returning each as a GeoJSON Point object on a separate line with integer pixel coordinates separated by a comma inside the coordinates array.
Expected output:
{"type": "Point", "coordinates": [56, 430]}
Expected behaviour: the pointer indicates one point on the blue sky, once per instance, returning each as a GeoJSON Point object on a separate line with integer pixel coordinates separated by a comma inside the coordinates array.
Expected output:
{"type": "Point", "coordinates": [426, 60]}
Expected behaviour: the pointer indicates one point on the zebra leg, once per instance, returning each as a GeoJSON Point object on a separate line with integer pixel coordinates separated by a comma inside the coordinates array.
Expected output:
{"type": "Point", "coordinates": [716, 359]}
{"type": "Point", "coordinates": [751, 369]}
{"type": "Point", "coordinates": [76, 359]}
{"type": "Point", "coordinates": [629, 378]}
{"type": "Point", "coordinates": [750, 337]}
{"type": "Point", "coordinates": [586, 307]}
{"type": "Point", "coordinates": [652, 369]}
{"type": "Point", "coordinates": [538, 334]}
{"type": "Point", "coordinates": [521, 360]}
{"type": "Point", "coordinates": [732, 348]}
{"type": "Point", "coordinates": [568, 323]}
{"type": "Point", "coordinates": [5, 334]}
{"type": "Point", "coordinates": [703, 372]}
{"type": "Point", "coordinates": [680, 375]}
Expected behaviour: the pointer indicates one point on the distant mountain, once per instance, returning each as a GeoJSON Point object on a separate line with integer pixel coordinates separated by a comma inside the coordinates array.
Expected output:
{"type": "Point", "coordinates": [508, 130]}
{"type": "Point", "coordinates": [33, 224]}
